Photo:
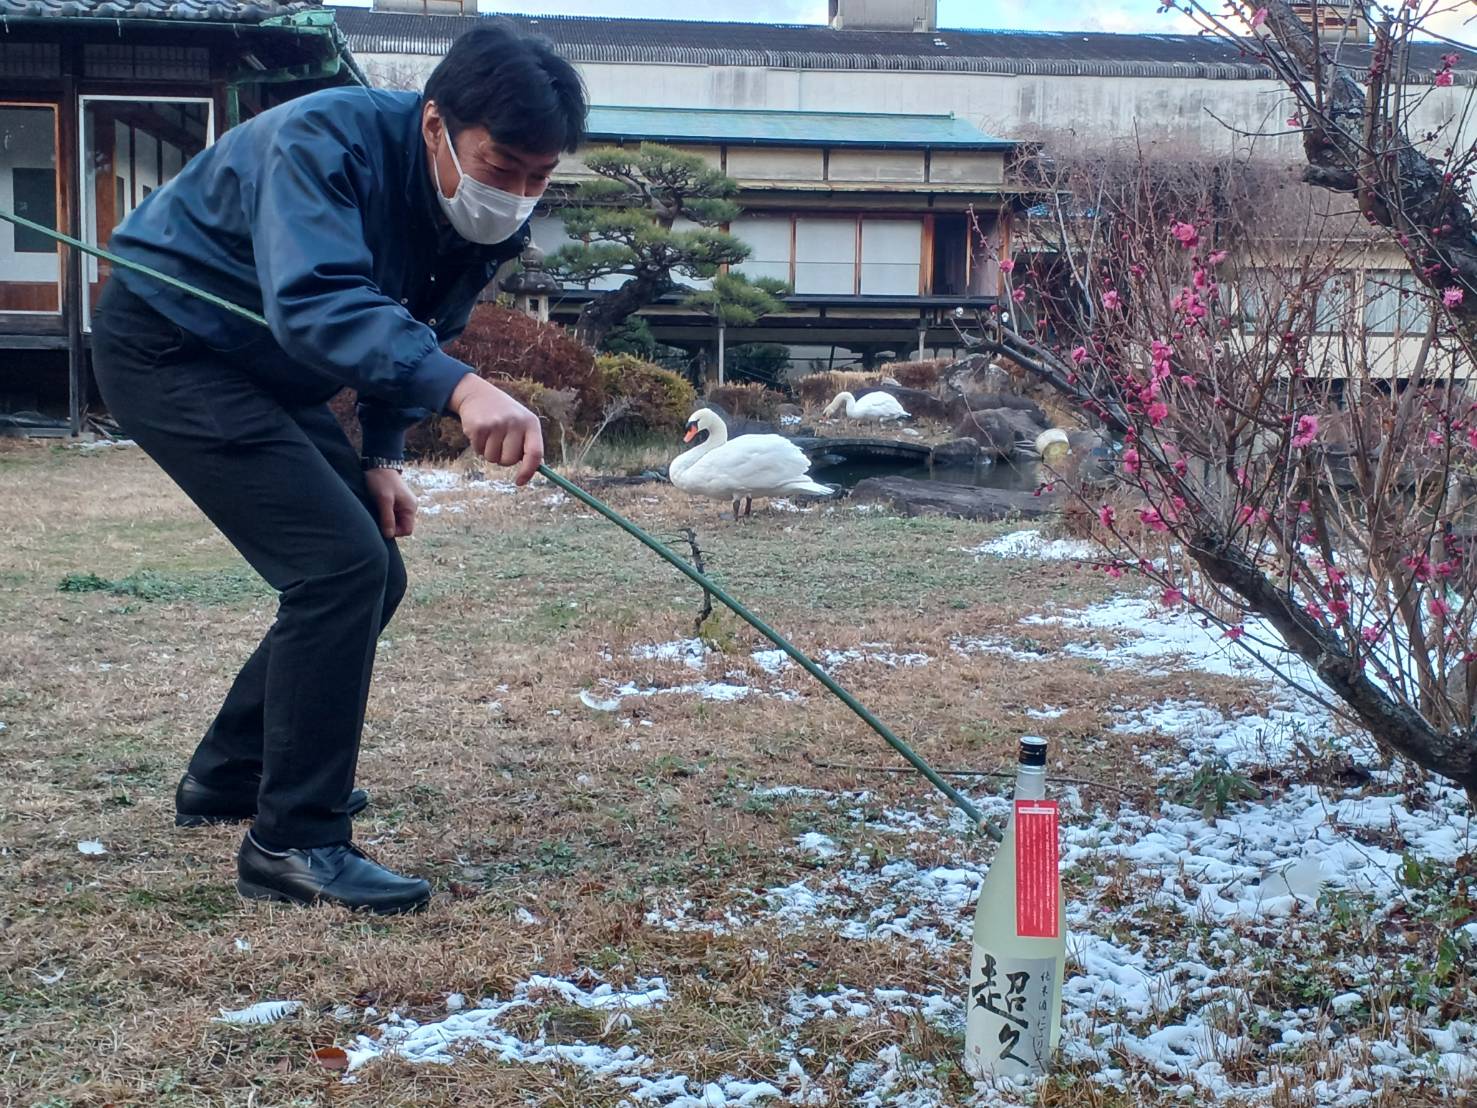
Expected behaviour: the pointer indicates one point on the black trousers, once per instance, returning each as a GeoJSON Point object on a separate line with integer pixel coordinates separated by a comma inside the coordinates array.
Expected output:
{"type": "Point", "coordinates": [272, 469]}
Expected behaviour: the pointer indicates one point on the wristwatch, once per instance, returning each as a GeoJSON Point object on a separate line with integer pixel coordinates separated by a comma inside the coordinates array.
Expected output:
{"type": "Point", "coordinates": [382, 463]}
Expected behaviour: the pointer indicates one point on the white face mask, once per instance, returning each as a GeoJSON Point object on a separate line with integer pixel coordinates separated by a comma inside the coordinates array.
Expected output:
{"type": "Point", "coordinates": [478, 212]}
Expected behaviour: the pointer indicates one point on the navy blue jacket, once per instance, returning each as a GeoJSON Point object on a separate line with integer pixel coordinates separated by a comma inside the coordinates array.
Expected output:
{"type": "Point", "coordinates": [321, 215]}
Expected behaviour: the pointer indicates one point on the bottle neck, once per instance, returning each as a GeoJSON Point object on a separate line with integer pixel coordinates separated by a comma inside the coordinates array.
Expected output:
{"type": "Point", "coordinates": [1030, 783]}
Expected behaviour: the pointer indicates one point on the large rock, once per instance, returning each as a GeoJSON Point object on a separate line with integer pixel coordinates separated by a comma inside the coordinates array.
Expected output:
{"type": "Point", "coordinates": [917, 498]}
{"type": "Point", "coordinates": [976, 374]}
{"type": "Point", "coordinates": [979, 401]}
{"type": "Point", "coordinates": [990, 429]}
{"type": "Point", "coordinates": [1027, 427]}
{"type": "Point", "coordinates": [962, 451]}
{"type": "Point", "coordinates": [920, 404]}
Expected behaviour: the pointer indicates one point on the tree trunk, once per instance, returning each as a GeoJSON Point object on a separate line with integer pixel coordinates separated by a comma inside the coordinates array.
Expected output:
{"type": "Point", "coordinates": [609, 310]}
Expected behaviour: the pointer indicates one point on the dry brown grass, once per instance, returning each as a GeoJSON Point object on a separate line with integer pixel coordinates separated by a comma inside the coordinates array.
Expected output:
{"type": "Point", "coordinates": [489, 777]}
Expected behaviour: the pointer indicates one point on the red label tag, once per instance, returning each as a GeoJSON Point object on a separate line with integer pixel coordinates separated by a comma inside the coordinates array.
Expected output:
{"type": "Point", "coordinates": [1037, 880]}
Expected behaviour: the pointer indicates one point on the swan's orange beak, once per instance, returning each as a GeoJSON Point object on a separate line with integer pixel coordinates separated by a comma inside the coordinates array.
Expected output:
{"type": "Point", "coordinates": [691, 434]}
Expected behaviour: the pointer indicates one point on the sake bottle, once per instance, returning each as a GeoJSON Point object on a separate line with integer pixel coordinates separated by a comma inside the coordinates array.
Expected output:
{"type": "Point", "coordinates": [1013, 1004]}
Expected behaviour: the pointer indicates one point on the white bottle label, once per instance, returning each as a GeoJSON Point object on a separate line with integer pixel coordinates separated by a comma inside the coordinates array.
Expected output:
{"type": "Point", "coordinates": [1009, 1016]}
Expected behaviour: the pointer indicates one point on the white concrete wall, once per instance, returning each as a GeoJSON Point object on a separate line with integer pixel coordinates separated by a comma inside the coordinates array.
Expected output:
{"type": "Point", "coordinates": [1161, 109]}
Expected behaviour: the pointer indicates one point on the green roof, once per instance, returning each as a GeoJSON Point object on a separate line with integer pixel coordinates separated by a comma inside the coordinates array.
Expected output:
{"type": "Point", "coordinates": [782, 128]}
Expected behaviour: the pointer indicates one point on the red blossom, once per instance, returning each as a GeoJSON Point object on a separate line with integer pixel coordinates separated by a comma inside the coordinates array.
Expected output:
{"type": "Point", "coordinates": [1307, 432]}
{"type": "Point", "coordinates": [1151, 519]}
{"type": "Point", "coordinates": [1106, 515]}
{"type": "Point", "coordinates": [1234, 633]}
{"type": "Point", "coordinates": [1439, 608]}
{"type": "Point", "coordinates": [1111, 299]}
{"type": "Point", "coordinates": [1172, 597]}
{"type": "Point", "coordinates": [1006, 265]}
{"type": "Point", "coordinates": [1444, 78]}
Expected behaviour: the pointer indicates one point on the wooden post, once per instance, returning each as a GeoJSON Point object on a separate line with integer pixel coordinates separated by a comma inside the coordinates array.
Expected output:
{"type": "Point", "coordinates": [722, 336]}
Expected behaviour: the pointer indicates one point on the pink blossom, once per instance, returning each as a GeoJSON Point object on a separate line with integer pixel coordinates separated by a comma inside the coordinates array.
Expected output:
{"type": "Point", "coordinates": [1106, 515]}
{"type": "Point", "coordinates": [1114, 571]}
{"type": "Point", "coordinates": [1307, 431]}
{"type": "Point", "coordinates": [1201, 279]}
{"type": "Point", "coordinates": [1131, 461]}
{"type": "Point", "coordinates": [1217, 257]}
{"type": "Point", "coordinates": [1007, 264]}
{"type": "Point", "coordinates": [1313, 609]}
{"type": "Point", "coordinates": [1243, 516]}
{"type": "Point", "coordinates": [1172, 597]}
{"type": "Point", "coordinates": [1419, 565]}
{"type": "Point", "coordinates": [1372, 635]}
{"type": "Point", "coordinates": [1452, 297]}
{"type": "Point", "coordinates": [1019, 296]}
{"type": "Point", "coordinates": [1294, 121]}
{"type": "Point", "coordinates": [1188, 381]}
{"type": "Point", "coordinates": [1111, 299]}
{"type": "Point", "coordinates": [1185, 234]}
{"type": "Point", "coordinates": [1305, 507]}
{"type": "Point", "coordinates": [1445, 569]}
{"type": "Point", "coordinates": [1444, 78]}
{"type": "Point", "coordinates": [1258, 17]}
{"type": "Point", "coordinates": [1181, 467]}
{"type": "Point", "coordinates": [1439, 608]}
{"type": "Point", "coordinates": [1472, 437]}
{"type": "Point", "coordinates": [1338, 608]}
{"type": "Point", "coordinates": [1151, 519]}
{"type": "Point", "coordinates": [1158, 412]}
{"type": "Point", "coordinates": [1079, 354]}
{"type": "Point", "coordinates": [1435, 439]}
{"type": "Point", "coordinates": [1242, 480]}
{"type": "Point", "coordinates": [1234, 633]}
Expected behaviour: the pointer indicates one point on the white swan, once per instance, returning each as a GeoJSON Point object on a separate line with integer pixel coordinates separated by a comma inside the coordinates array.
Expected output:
{"type": "Point", "coordinates": [741, 469]}
{"type": "Point", "coordinates": [878, 407]}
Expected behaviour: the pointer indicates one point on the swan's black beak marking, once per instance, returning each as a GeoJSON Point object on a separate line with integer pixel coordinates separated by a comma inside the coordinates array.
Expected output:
{"type": "Point", "coordinates": [692, 432]}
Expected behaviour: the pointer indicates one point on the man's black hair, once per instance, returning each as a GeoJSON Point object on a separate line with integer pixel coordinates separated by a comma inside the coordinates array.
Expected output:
{"type": "Point", "coordinates": [515, 85]}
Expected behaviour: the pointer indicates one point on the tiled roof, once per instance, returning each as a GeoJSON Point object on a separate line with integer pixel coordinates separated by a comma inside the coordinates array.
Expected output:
{"type": "Point", "coordinates": [787, 128]}
{"type": "Point", "coordinates": [193, 11]}
{"type": "Point", "coordinates": [683, 42]}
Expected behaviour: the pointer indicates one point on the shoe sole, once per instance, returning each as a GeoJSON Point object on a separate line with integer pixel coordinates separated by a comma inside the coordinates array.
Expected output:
{"type": "Point", "coordinates": [250, 890]}
{"type": "Point", "coordinates": [192, 819]}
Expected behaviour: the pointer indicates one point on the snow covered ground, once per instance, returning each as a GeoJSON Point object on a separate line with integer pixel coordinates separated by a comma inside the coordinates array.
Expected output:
{"type": "Point", "coordinates": [1259, 948]}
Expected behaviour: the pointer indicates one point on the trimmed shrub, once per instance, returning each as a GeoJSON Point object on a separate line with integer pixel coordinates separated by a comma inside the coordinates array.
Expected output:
{"type": "Point", "coordinates": [747, 401]}
{"type": "Point", "coordinates": [917, 375]}
{"type": "Point", "coordinates": [655, 399]}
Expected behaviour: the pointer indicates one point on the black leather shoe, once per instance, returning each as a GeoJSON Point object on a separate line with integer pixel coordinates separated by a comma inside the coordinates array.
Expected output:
{"type": "Point", "coordinates": [339, 874]}
{"type": "Point", "coordinates": [196, 805]}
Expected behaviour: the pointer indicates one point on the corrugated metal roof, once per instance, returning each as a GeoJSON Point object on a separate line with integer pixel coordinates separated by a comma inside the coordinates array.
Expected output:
{"type": "Point", "coordinates": [788, 128]}
{"type": "Point", "coordinates": [788, 46]}
{"type": "Point", "coordinates": [189, 11]}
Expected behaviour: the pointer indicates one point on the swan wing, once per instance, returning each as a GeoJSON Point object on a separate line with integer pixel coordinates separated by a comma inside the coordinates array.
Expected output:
{"type": "Point", "coordinates": [750, 465]}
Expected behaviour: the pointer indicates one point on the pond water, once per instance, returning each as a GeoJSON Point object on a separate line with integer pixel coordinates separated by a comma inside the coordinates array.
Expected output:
{"type": "Point", "coordinates": [1021, 476]}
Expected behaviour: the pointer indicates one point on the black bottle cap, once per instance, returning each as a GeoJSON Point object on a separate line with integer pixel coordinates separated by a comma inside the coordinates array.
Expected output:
{"type": "Point", "coordinates": [1033, 750]}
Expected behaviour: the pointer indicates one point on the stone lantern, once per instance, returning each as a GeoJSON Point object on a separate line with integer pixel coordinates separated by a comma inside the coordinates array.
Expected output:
{"type": "Point", "coordinates": [533, 286]}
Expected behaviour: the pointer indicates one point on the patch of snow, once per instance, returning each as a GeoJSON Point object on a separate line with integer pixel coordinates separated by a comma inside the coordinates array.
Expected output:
{"type": "Point", "coordinates": [1030, 544]}
{"type": "Point", "coordinates": [822, 846]}
{"type": "Point", "coordinates": [1046, 713]}
{"type": "Point", "coordinates": [693, 653]}
{"type": "Point", "coordinates": [105, 444]}
{"type": "Point", "coordinates": [708, 690]}
{"type": "Point", "coordinates": [599, 704]}
{"type": "Point", "coordinates": [91, 847]}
